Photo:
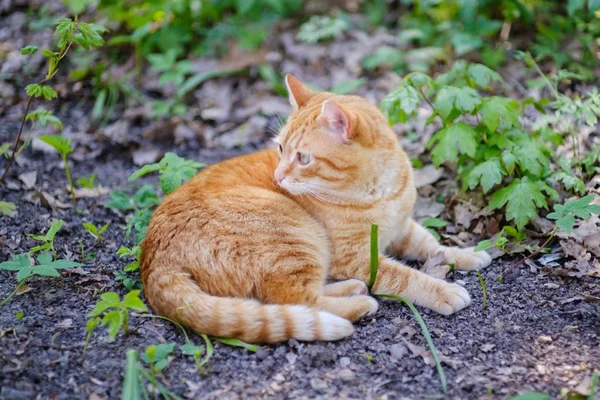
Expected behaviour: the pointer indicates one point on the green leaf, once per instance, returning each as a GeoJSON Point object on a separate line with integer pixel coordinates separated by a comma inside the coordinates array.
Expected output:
{"type": "Point", "coordinates": [495, 110]}
{"type": "Point", "coordinates": [268, 73]}
{"type": "Point", "coordinates": [48, 92]}
{"type": "Point", "coordinates": [29, 50]}
{"type": "Point", "coordinates": [60, 144]}
{"type": "Point", "coordinates": [452, 140]}
{"type": "Point", "coordinates": [566, 223]}
{"type": "Point", "coordinates": [461, 99]}
{"type": "Point", "coordinates": [44, 258]}
{"type": "Point", "coordinates": [488, 174]}
{"type": "Point", "coordinates": [23, 274]}
{"type": "Point", "coordinates": [483, 245]}
{"type": "Point", "coordinates": [570, 181]}
{"type": "Point", "coordinates": [508, 161]}
{"type": "Point", "coordinates": [131, 383]}
{"type": "Point", "coordinates": [522, 198]}
{"type": "Point", "coordinates": [91, 228]}
{"type": "Point", "coordinates": [103, 229]}
{"type": "Point", "coordinates": [146, 169]}
{"type": "Point", "coordinates": [531, 156]}
{"type": "Point", "coordinates": [45, 270]}
{"type": "Point", "coordinates": [7, 208]}
{"type": "Point", "coordinates": [18, 262]}
{"type": "Point", "coordinates": [237, 343]}
{"type": "Point", "coordinates": [482, 75]}
{"type": "Point", "coordinates": [400, 104]}
{"type": "Point", "coordinates": [434, 223]}
{"type": "Point", "coordinates": [176, 170]}
{"type": "Point", "coordinates": [114, 319]}
{"type": "Point", "coordinates": [131, 300]}
{"type": "Point", "coordinates": [62, 264]}
{"type": "Point", "coordinates": [190, 349]}
{"type": "Point", "coordinates": [54, 228]}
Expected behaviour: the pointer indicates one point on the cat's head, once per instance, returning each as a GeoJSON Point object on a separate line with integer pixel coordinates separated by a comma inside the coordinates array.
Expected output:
{"type": "Point", "coordinates": [334, 147]}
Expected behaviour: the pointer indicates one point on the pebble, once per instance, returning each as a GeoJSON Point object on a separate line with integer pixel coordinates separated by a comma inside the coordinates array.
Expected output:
{"type": "Point", "coordinates": [318, 384]}
{"type": "Point", "coordinates": [398, 351]}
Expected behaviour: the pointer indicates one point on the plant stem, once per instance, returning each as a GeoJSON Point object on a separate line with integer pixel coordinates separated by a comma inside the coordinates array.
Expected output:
{"type": "Point", "coordinates": [483, 288]}
{"type": "Point", "coordinates": [17, 139]}
{"type": "Point", "coordinates": [68, 172]}
{"type": "Point", "coordinates": [12, 294]}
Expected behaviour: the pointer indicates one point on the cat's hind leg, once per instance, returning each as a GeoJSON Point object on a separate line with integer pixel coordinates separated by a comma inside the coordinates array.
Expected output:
{"type": "Point", "coordinates": [418, 243]}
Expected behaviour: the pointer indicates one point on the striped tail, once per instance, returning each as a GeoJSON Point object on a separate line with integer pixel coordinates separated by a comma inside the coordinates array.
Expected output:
{"type": "Point", "coordinates": [178, 297]}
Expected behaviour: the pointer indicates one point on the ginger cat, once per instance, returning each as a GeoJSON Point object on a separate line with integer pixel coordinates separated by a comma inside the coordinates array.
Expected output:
{"type": "Point", "coordinates": [244, 248]}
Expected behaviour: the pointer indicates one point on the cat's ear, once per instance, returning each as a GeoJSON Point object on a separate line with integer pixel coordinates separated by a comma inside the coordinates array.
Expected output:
{"type": "Point", "coordinates": [336, 120]}
{"type": "Point", "coordinates": [298, 92]}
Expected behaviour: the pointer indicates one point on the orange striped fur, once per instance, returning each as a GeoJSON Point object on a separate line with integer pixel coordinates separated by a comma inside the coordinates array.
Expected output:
{"type": "Point", "coordinates": [244, 248]}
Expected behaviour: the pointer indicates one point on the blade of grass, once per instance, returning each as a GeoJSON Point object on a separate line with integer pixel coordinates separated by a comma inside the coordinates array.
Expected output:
{"type": "Point", "coordinates": [209, 350]}
{"type": "Point", "coordinates": [434, 353]}
{"type": "Point", "coordinates": [593, 386]}
{"type": "Point", "coordinates": [131, 385]}
{"type": "Point", "coordinates": [374, 254]}
{"type": "Point", "coordinates": [237, 343]}
{"type": "Point", "coordinates": [483, 289]}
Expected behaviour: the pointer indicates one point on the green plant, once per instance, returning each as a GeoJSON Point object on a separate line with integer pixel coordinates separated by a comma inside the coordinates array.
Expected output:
{"type": "Point", "coordinates": [143, 197]}
{"type": "Point", "coordinates": [501, 239]}
{"type": "Point", "coordinates": [115, 312]}
{"type": "Point", "coordinates": [373, 278]}
{"type": "Point", "coordinates": [136, 376]}
{"type": "Point", "coordinates": [25, 268]}
{"type": "Point", "coordinates": [374, 256]}
{"type": "Point", "coordinates": [157, 356]}
{"type": "Point", "coordinates": [48, 238]}
{"type": "Point", "coordinates": [531, 396]}
{"type": "Point", "coordinates": [68, 32]}
{"type": "Point", "coordinates": [63, 147]}
{"type": "Point", "coordinates": [173, 171]}
{"type": "Point", "coordinates": [95, 231]}
{"type": "Point", "coordinates": [580, 208]}
{"type": "Point", "coordinates": [492, 150]}
{"type": "Point", "coordinates": [86, 182]}
{"type": "Point", "coordinates": [319, 28]}
{"type": "Point", "coordinates": [483, 288]}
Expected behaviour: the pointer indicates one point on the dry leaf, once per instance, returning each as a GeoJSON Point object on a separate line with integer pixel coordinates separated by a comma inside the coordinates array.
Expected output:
{"type": "Point", "coordinates": [436, 266]}
{"type": "Point", "coordinates": [427, 175]}
{"type": "Point", "coordinates": [91, 192]}
{"type": "Point", "coordinates": [28, 179]}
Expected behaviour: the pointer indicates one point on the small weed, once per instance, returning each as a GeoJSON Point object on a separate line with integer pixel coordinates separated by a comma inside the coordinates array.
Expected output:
{"type": "Point", "coordinates": [136, 376]}
{"type": "Point", "coordinates": [565, 214]}
{"type": "Point", "coordinates": [63, 147]}
{"type": "Point", "coordinates": [483, 288]}
{"type": "Point", "coordinates": [136, 252]}
{"type": "Point", "coordinates": [22, 264]}
{"type": "Point", "coordinates": [95, 231]}
{"type": "Point", "coordinates": [115, 311]}
{"type": "Point", "coordinates": [173, 171]}
{"type": "Point", "coordinates": [432, 348]}
{"type": "Point", "coordinates": [68, 32]}
{"type": "Point", "coordinates": [48, 238]}
{"type": "Point", "coordinates": [86, 182]}
{"type": "Point", "coordinates": [144, 197]}
{"type": "Point", "coordinates": [369, 357]}
{"type": "Point", "coordinates": [157, 356]}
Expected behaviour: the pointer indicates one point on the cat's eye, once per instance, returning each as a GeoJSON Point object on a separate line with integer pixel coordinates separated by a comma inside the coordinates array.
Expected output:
{"type": "Point", "coordinates": [280, 149]}
{"type": "Point", "coordinates": [304, 158]}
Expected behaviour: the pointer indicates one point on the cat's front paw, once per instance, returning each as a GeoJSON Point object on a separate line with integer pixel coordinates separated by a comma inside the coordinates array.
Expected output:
{"type": "Point", "coordinates": [466, 259]}
{"type": "Point", "coordinates": [450, 299]}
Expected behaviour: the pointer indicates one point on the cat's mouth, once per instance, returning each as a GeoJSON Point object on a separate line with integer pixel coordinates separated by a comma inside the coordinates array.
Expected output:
{"type": "Point", "coordinates": [294, 187]}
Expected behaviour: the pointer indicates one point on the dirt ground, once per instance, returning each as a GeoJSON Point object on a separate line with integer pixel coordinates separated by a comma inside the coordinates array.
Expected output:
{"type": "Point", "coordinates": [539, 332]}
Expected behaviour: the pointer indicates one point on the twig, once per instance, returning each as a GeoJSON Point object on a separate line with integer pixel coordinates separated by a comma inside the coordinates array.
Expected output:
{"type": "Point", "coordinates": [535, 253]}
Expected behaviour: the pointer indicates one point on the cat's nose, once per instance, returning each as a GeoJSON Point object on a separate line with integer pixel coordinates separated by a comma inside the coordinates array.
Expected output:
{"type": "Point", "coordinates": [279, 176]}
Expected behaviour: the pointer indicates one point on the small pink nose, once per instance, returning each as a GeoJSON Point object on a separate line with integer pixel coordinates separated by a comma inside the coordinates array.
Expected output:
{"type": "Point", "coordinates": [279, 176]}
